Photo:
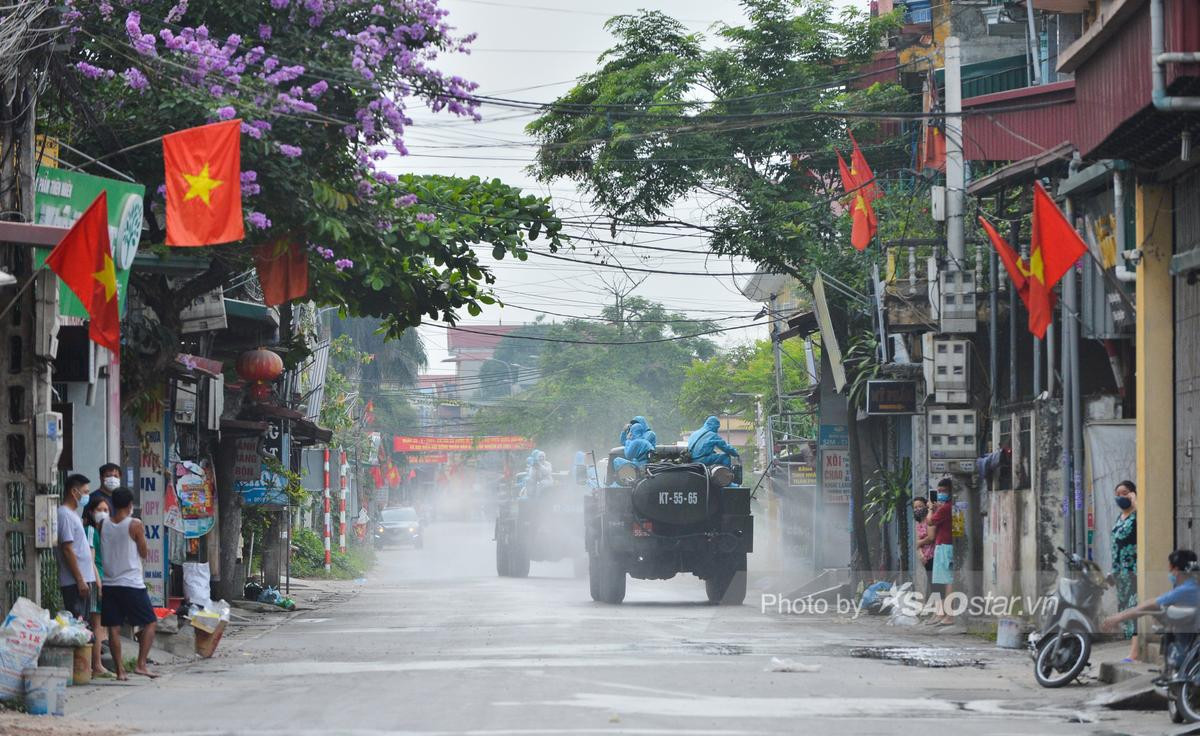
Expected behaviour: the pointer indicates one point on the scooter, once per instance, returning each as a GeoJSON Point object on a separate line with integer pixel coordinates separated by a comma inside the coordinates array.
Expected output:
{"type": "Point", "coordinates": [1180, 678]}
{"type": "Point", "coordinates": [1061, 646]}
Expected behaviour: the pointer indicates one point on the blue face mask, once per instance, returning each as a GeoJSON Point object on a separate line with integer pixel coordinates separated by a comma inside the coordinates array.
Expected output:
{"type": "Point", "coordinates": [943, 497]}
{"type": "Point", "coordinates": [1173, 578]}
{"type": "Point", "coordinates": [83, 500]}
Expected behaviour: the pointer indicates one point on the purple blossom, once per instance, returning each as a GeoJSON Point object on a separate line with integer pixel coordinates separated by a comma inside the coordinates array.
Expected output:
{"type": "Point", "coordinates": [407, 200]}
{"type": "Point", "coordinates": [226, 113]}
{"type": "Point", "coordinates": [343, 263]}
{"type": "Point", "coordinates": [290, 151]}
{"type": "Point", "coordinates": [162, 190]}
{"type": "Point", "coordinates": [258, 220]}
{"type": "Point", "coordinates": [325, 253]}
{"type": "Point", "coordinates": [318, 89]}
{"type": "Point", "coordinates": [177, 11]}
{"type": "Point", "coordinates": [135, 79]}
{"type": "Point", "coordinates": [264, 31]}
{"type": "Point", "coordinates": [89, 71]}
{"type": "Point", "coordinates": [250, 186]}
{"type": "Point", "coordinates": [426, 217]}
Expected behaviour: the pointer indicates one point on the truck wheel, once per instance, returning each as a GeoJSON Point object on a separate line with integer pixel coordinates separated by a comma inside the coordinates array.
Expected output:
{"type": "Point", "coordinates": [518, 560]}
{"type": "Point", "coordinates": [594, 577]}
{"type": "Point", "coordinates": [612, 580]}
{"type": "Point", "coordinates": [728, 587]}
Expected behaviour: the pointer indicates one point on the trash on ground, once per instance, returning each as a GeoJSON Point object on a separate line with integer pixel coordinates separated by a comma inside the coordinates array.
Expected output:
{"type": "Point", "coordinates": [779, 664]}
{"type": "Point", "coordinates": [67, 631]}
{"type": "Point", "coordinates": [21, 637]}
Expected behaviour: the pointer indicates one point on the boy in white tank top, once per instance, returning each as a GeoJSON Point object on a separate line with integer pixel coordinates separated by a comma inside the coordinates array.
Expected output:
{"type": "Point", "coordinates": [123, 547]}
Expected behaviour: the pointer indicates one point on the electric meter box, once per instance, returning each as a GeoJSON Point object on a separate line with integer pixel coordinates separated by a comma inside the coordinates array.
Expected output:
{"type": "Point", "coordinates": [49, 447]}
{"type": "Point", "coordinates": [951, 371]}
{"type": "Point", "coordinates": [45, 521]}
{"type": "Point", "coordinates": [957, 301]}
{"type": "Point", "coordinates": [952, 436]}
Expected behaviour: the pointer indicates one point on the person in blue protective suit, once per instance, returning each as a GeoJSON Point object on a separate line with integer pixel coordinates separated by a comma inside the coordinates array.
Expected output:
{"type": "Point", "coordinates": [708, 447]}
{"type": "Point", "coordinates": [637, 448]}
{"type": "Point", "coordinates": [649, 435]}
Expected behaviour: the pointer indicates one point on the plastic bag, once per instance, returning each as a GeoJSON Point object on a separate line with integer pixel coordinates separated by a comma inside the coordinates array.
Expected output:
{"type": "Point", "coordinates": [21, 638]}
{"type": "Point", "coordinates": [196, 586]}
{"type": "Point", "coordinates": [211, 616]}
{"type": "Point", "coordinates": [67, 631]}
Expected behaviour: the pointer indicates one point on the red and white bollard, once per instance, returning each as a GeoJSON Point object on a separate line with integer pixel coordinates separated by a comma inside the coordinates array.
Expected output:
{"type": "Point", "coordinates": [343, 470]}
{"type": "Point", "coordinates": [328, 520]}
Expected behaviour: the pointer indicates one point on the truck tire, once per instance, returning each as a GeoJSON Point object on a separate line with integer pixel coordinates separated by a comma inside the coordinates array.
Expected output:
{"type": "Point", "coordinates": [594, 577]}
{"type": "Point", "coordinates": [611, 580]}
{"type": "Point", "coordinates": [518, 560]}
{"type": "Point", "coordinates": [501, 557]}
{"type": "Point", "coordinates": [728, 587]}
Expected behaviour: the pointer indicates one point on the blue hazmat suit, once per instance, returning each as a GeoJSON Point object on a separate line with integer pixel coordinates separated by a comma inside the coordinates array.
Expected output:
{"type": "Point", "coordinates": [637, 448]}
{"type": "Point", "coordinates": [649, 436]}
{"type": "Point", "coordinates": [708, 447]}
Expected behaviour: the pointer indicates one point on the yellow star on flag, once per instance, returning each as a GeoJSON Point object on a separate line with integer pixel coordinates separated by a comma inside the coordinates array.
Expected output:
{"type": "Point", "coordinates": [107, 277]}
{"type": "Point", "coordinates": [1036, 268]}
{"type": "Point", "coordinates": [201, 185]}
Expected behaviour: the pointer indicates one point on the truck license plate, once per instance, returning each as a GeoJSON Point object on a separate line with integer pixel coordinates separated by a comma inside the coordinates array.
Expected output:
{"type": "Point", "coordinates": [678, 498]}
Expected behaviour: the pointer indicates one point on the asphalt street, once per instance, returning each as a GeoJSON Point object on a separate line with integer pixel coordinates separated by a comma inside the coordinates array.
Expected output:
{"type": "Point", "coordinates": [434, 642]}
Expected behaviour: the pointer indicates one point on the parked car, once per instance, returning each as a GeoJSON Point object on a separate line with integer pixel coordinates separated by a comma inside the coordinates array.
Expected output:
{"type": "Point", "coordinates": [399, 525]}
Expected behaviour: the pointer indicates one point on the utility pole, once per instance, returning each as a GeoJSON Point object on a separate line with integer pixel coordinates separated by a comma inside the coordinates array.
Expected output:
{"type": "Point", "coordinates": [955, 166]}
{"type": "Point", "coordinates": [777, 350]}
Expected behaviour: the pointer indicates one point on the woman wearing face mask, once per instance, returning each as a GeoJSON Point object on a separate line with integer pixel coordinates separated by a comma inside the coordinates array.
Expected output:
{"type": "Point", "coordinates": [94, 515]}
{"type": "Point", "coordinates": [1124, 558]}
{"type": "Point", "coordinates": [1185, 590]}
{"type": "Point", "coordinates": [925, 535]}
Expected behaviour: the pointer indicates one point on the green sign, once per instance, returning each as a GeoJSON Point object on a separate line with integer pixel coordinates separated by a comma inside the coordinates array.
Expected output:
{"type": "Point", "coordinates": [60, 198]}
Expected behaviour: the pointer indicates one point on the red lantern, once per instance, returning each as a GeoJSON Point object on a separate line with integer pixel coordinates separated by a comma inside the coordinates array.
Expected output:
{"type": "Point", "coordinates": [260, 367]}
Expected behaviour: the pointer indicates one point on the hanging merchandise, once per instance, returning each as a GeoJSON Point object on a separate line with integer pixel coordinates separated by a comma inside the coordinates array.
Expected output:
{"type": "Point", "coordinates": [194, 488]}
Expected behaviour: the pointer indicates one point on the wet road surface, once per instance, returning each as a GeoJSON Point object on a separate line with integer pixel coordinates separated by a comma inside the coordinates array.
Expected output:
{"type": "Point", "coordinates": [435, 642]}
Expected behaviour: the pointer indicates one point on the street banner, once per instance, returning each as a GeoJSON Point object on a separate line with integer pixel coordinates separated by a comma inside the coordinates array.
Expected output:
{"type": "Point", "coordinates": [459, 444]}
{"type": "Point", "coordinates": [152, 486]}
{"type": "Point", "coordinates": [61, 197]}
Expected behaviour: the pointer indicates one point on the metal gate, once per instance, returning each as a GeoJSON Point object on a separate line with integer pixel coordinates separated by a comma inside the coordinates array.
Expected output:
{"type": "Point", "coordinates": [1187, 368]}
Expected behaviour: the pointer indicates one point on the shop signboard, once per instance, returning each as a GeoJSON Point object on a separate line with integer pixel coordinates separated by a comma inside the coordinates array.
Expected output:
{"type": "Point", "coordinates": [252, 478]}
{"type": "Point", "coordinates": [152, 484]}
{"type": "Point", "coordinates": [61, 197]}
{"type": "Point", "coordinates": [834, 448]}
{"type": "Point", "coordinates": [459, 444]}
{"type": "Point", "coordinates": [891, 397]}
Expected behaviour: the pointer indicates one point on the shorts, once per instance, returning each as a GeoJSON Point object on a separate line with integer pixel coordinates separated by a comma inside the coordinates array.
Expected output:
{"type": "Point", "coordinates": [124, 605]}
{"type": "Point", "coordinates": [76, 604]}
{"type": "Point", "coordinates": [943, 564]}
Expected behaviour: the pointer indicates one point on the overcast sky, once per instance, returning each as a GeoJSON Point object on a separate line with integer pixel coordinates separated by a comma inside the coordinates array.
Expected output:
{"type": "Point", "coordinates": [534, 50]}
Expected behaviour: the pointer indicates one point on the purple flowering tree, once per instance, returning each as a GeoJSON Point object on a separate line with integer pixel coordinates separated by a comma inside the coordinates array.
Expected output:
{"type": "Point", "coordinates": [322, 88]}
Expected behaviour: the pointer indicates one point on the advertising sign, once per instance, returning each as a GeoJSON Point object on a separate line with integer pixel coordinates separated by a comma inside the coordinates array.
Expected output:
{"type": "Point", "coordinates": [253, 479]}
{"type": "Point", "coordinates": [61, 197]}
{"type": "Point", "coordinates": [195, 489]}
{"type": "Point", "coordinates": [153, 486]}
{"type": "Point", "coordinates": [459, 444]}
{"type": "Point", "coordinates": [891, 397]}
{"type": "Point", "coordinates": [834, 447]}
{"type": "Point", "coordinates": [801, 475]}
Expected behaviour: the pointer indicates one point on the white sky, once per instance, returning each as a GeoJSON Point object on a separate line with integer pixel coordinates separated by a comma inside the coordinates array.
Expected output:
{"type": "Point", "coordinates": [534, 50]}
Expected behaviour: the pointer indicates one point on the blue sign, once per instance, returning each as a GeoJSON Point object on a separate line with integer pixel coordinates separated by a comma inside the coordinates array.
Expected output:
{"type": "Point", "coordinates": [833, 435]}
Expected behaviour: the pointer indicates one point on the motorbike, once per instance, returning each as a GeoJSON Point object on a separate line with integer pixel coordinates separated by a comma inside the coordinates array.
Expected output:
{"type": "Point", "coordinates": [1179, 680]}
{"type": "Point", "coordinates": [1063, 642]}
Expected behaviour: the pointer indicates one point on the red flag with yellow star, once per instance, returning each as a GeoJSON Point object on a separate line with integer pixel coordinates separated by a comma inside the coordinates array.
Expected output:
{"type": "Point", "coordinates": [204, 186]}
{"type": "Point", "coordinates": [83, 260]}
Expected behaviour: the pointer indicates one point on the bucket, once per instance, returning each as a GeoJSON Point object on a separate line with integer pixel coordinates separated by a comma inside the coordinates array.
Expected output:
{"type": "Point", "coordinates": [82, 670]}
{"type": "Point", "coordinates": [57, 656]}
{"type": "Point", "coordinates": [1008, 633]}
{"type": "Point", "coordinates": [45, 689]}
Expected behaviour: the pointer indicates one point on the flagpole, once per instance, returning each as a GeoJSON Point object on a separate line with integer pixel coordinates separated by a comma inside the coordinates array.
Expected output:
{"type": "Point", "coordinates": [24, 288]}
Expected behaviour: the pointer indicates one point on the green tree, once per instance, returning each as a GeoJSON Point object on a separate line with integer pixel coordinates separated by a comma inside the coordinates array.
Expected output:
{"type": "Point", "coordinates": [736, 380]}
{"type": "Point", "coordinates": [597, 374]}
{"type": "Point", "coordinates": [740, 122]}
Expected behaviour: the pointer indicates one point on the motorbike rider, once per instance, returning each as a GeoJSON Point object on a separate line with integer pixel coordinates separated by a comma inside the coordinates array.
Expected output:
{"type": "Point", "coordinates": [707, 447]}
{"type": "Point", "coordinates": [1185, 590]}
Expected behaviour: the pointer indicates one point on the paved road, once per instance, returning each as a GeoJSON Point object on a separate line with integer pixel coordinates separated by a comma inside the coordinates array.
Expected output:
{"type": "Point", "coordinates": [436, 643]}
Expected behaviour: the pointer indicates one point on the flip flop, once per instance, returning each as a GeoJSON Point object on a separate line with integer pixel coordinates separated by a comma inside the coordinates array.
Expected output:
{"type": "Point", "coordinates": [105, 675]}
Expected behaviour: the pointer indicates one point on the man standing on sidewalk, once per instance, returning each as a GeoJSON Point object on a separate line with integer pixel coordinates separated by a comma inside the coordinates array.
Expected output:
{"type": "Point", "coordinates": [110, 481]}
{"type": "Point", "coordinates": [123, 546]}
{"type": "Point", "coordinates": [76, 568]}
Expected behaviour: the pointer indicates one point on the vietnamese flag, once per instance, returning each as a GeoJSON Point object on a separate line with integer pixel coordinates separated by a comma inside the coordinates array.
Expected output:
{"type": "Point", "coordinates": [858, 181]}
{"type": "Point", "coordinates": [933, 137]}
{"type": "Point", "coordinates": [282, 267]}
{"type": "Point", "coordinates": [1039, 302]}
{"type": "Point", "coordinates": [1054, 247]}
{"type": "Point", "coordinates": [83, 260]}
{"type": "Point", "coordinates": [204, 186]}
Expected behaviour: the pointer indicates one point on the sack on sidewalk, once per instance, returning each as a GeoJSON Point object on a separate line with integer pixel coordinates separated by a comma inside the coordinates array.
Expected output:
{"type": "Point", "coordinates": [21, 638]}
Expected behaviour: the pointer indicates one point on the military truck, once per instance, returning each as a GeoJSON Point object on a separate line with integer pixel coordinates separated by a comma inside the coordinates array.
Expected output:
{"type": "Point", "coordinates": [538, 521]}
{"type": "Point", "coordinates": [670, 517]}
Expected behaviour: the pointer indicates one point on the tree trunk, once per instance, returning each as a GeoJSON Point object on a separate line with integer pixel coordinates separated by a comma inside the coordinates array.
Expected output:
{"type": "Point", "coordinates": [861, 562]}
{"type": "Point", "coordinates": [229, 505]}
